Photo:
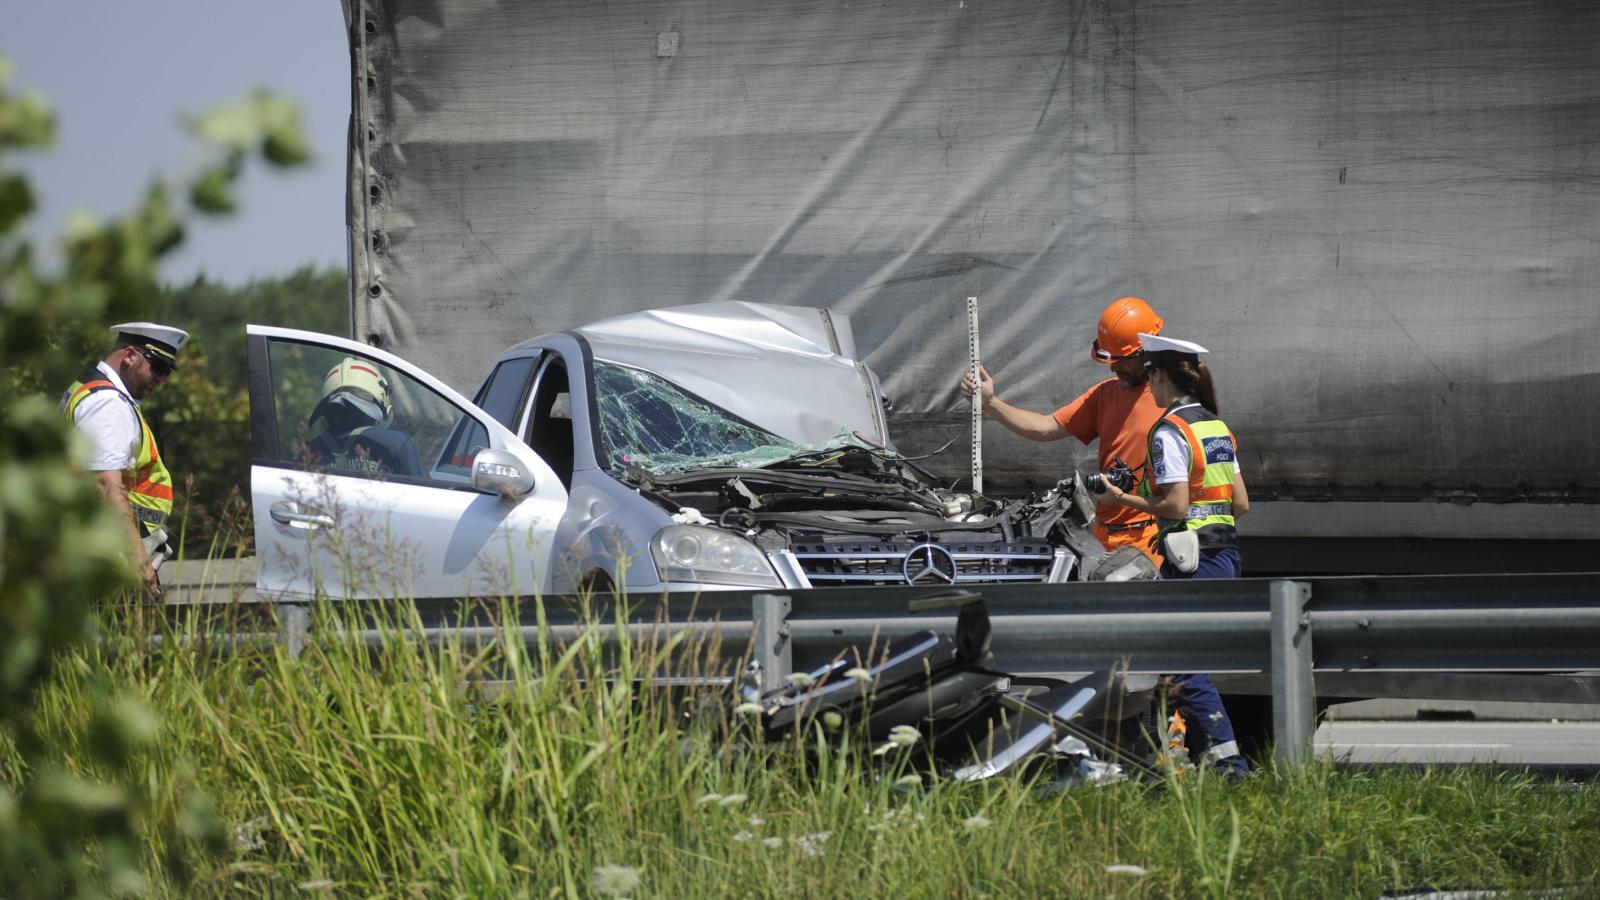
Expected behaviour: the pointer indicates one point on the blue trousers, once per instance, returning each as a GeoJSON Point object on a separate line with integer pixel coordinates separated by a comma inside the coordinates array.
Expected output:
{"type": "Point", "coordinates": [1224, 563]}
{"type": "Point", "coordinates": [1210, 732]}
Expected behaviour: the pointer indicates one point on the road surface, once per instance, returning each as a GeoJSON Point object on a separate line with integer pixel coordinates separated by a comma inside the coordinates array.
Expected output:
{"type": "Point", "coordinates": [1542, 744]}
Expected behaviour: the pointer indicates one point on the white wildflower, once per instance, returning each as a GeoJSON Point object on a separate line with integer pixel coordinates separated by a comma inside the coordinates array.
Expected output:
{"type": "Point", "coordinates": [912, 780]}
{"type": "Point", "coordinates": [1126, 869]}
{"type": "Point", "coordinates": [250, 836]}
{"type": "Point", "coordinates": [893, 818]}
{"type": "Point", "coordinates": [614, 881]}
{"type": "Point", "coordinates": [800, 679]}
{"type": "Point", "coordinates": [749, 709]}
{"type": "Point", "coordinates": [756, 821]}
{"type": "Point", "coordinates": [859, 674]}
{"type": "Point", "coordinates": [732, 800]}
{"type": "Point", "coordinates": [976, 823]}
{"type": "Point", "coordinates": [882, 748]}
{"type": "Point", "coordinates": [742, 836]}
{"type": "Point", "coordinates": [704, 799]}
{"type": "Point", "coordinates": [772, 843]}
{"type": "Point", "coordinates": [811, 844]}
{"type": "Point", "coordinates": [904, 735]}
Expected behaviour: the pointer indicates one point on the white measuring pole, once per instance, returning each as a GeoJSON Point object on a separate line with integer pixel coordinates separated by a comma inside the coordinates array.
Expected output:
{"type": "Point", "coordinates": [977, 396]}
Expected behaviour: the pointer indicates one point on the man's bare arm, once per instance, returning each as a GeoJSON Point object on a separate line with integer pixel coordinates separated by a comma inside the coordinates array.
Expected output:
{"type": "Point", "coordinates": [111, 487]}
{"type": "Point", "coordinates": [1031, 425]}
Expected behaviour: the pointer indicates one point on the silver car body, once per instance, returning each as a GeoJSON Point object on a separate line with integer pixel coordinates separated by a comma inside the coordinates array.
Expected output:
{"type": "Point", "coordinates": [714, 446]}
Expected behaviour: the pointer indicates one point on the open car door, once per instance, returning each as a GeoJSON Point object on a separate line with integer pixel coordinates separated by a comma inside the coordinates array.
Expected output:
{"type": "Point", "coordinates": [372, 478]}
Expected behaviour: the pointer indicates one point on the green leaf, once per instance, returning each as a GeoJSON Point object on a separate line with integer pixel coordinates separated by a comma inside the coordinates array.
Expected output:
{"type": "Point", "coordinates": [16, 201]}
{"type": "Point", "coordinates": [123, 726]}
{"type": "Point", "coordinates": [27, 122]}
{"type": "Point", "coordinates": [284, 143]}
{"type": "Point", "coordinates": [213, 193]}
{"type": "Point", "coordinates": [231, 126]}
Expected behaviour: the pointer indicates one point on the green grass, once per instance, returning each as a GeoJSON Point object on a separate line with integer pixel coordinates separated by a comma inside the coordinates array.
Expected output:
{"type": "Point", "coordinates": [394, 773]}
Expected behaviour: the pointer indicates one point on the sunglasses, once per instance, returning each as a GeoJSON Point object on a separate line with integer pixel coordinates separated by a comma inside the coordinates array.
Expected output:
{"type": "Point", "coordinates": [1101, 354]}
{"type": "Point", "coordinates": [158, 365]}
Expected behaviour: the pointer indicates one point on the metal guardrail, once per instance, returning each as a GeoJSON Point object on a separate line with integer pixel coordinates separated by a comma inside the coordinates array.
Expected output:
{"type": "Point", "coordinates": [1407, 628]}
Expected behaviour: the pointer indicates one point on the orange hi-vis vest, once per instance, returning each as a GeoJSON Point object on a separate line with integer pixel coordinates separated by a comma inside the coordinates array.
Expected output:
{"type": "Point", "coordinates": [148, 482]}
{"type": "Point", "coordinates": [1212, 451]}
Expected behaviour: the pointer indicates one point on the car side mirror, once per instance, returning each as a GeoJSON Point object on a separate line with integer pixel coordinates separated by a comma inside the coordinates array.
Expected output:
{"type": "Point", "coordinates": [501, 473]}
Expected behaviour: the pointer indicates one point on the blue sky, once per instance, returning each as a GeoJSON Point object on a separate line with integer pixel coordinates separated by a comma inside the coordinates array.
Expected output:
{"type": "Point", "coordinates": [121, 75]}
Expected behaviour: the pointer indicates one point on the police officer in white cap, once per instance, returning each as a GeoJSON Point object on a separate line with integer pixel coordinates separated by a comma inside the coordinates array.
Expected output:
{"type": "Point", "coordinates": [104, 404]}
{"type": "Point", "coordinates": [1192, 484]}
{"type": "Point", "coordinates": [1193, 487]}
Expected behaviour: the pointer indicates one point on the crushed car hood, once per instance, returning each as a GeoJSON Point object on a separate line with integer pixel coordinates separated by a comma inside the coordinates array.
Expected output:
{"type": "Point", "coordinates": [789, 369]}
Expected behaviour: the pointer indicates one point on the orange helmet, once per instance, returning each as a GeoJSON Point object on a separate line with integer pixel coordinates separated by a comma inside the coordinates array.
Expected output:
{"type": "Point", "coordinates": [1120, 325]}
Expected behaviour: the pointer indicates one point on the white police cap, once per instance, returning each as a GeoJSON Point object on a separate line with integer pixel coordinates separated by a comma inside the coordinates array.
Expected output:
{"type": "Point", "coordinates": [1162, 352]}
{"type": "Point", "coordinates": [162, 340]}
{"type": "Point", "coordinates": [1155, 343]}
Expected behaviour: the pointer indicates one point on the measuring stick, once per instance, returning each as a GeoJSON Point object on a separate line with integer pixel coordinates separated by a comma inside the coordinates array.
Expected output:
{"type": "Point", "coordinates": [977, 396]}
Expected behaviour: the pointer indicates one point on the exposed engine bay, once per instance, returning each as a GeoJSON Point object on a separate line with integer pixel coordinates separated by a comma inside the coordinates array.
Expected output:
{"type": "Point", "coordinates": [852, 514]}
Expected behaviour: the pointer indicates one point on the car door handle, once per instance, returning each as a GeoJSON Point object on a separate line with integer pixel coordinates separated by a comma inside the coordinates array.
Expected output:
{"type": "Point", "coordinates": [288, 512]}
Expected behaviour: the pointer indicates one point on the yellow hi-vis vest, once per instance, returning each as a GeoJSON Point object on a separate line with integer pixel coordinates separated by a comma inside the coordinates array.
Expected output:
{"type": "Point", "coordinates": [147, 480]}
{"type": "Point", "coordinates": [1212, 451]}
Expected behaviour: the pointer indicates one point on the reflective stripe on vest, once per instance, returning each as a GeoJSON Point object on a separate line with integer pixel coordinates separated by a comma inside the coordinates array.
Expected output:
{"type": "Point", "coordinates": [148, 483]}
{"type": "Point", "coordinates": [1212, 450]}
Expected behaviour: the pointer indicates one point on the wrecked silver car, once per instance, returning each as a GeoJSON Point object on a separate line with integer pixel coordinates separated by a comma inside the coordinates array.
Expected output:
{"type": "Point", "coordinates": [723, 445]}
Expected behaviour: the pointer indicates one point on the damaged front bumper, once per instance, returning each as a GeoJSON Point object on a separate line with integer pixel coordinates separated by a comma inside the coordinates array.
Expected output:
{"type": "Point", "coordinates": [836, 563]}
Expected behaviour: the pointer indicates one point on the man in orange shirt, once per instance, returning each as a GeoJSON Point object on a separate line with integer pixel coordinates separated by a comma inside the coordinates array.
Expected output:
{"type": "Point", "coordinates": [1118, 411]}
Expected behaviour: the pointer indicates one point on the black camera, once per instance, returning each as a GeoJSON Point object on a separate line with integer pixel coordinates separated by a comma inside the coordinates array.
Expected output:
{"type": "Point", "coordinates": [1119, 474]}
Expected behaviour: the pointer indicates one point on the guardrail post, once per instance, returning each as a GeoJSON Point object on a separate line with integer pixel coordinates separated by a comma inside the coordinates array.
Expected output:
{"type": "Point", "coordinates": [1293, 703]}
{"type": "Point", "coordinates": [770, 615]}
{"type": "Point", "coordinates": [294, 626]}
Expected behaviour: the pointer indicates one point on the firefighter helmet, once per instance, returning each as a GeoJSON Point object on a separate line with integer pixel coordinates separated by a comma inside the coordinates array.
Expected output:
{"type": "Point", "coordinates": [354, 389]}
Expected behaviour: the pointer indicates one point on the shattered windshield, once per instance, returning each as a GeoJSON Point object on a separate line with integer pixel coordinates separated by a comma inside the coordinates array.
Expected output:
{"type": "Point", "coordinates": [650, 422]}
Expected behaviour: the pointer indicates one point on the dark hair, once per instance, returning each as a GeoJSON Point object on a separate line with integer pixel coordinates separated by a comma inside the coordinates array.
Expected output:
{"type": "Point", "coordinates": [1193, 379]}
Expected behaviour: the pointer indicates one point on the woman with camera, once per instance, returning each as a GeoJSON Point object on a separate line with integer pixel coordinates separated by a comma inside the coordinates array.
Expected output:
{"type": "Point", "coordinates": [1192, 482]}
{"type": "Point", "coordinates": [1193, 487]}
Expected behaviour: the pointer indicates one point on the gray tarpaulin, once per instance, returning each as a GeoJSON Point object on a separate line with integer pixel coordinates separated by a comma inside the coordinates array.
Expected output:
{"type": "Point", "coordinates": [1381, 215]}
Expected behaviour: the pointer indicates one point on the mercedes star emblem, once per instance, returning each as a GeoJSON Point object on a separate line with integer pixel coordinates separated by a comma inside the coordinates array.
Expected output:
{"type": "Point", "coordinates": [929, 564]}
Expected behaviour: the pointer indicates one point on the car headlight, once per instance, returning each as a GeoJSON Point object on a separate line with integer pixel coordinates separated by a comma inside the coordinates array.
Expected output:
{"type": "Point", "coordinates": [687, 554]}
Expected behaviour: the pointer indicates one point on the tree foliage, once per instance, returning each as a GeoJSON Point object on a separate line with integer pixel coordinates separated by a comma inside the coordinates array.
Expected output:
{"type": "Point", "coordinates": [76, 832]}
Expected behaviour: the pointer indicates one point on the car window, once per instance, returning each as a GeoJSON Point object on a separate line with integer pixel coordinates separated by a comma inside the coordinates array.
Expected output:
{"type": "Point", "coordinates": [502, 395]}
{"type": "Point", "coordinates": [648, 421]}
{"type": "Point", "coordinates": [353, 415]}
{"type": "Point", "coordinates": [549, 430]}
{"type": "Point", "coordinates": [502, 398]}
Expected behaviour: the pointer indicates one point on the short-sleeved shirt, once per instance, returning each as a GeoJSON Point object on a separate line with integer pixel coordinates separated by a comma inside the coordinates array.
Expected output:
{"type": "Point", "coordinates": [1120, 417]}
{"type": "Point", "coordinates": [108, 420]}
